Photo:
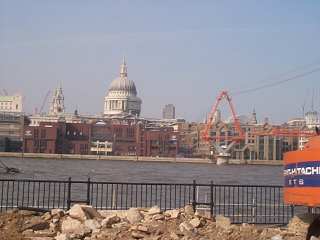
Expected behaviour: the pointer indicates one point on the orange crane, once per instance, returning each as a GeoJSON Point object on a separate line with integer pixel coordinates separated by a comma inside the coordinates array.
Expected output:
{"type": "Point", "coordinates": [223, 154]}
{"type": "Point", "coordinates": [206, 134]}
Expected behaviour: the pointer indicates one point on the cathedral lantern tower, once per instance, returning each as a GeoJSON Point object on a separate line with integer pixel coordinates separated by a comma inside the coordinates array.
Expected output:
{"type": "Point", "coordinates": [121, 98]}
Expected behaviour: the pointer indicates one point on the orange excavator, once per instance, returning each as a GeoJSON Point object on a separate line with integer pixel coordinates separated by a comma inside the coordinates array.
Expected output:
{"type": "Point", "coordinates": [302, 180]}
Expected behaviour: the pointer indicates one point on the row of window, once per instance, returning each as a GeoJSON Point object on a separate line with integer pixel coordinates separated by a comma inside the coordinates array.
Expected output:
{"type": "Point", "coordinates": [5, 103]}
{"type": "Point", "coordinates": [74, 133]}
{"type": "Point", "coordinates": [9, 107]}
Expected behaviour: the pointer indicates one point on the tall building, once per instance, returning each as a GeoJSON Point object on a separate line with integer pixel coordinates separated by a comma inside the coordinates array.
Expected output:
{"type": "Point", "coordinates": [11, 103]}
{"type": "Point", "coordinates": [57, 104]}
{"type": "Point", "coordinates": [122, 98]}
{"type": "Point", "coordinates": [169, 112]}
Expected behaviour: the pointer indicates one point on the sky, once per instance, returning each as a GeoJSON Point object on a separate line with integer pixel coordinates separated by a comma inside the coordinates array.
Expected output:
{"type": "Point", "coordinates": [178, 51]}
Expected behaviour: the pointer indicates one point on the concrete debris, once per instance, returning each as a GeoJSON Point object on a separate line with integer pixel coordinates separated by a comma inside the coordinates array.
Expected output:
{"type": "Point", "coordinates": [195, 222]}
{"type": "Point", "coordinates": [158, 217]}
{"type": "Point", "coordinates": [185, 226]}
{"type": "Point", "coordinates": [46, 216]}
{"type": "Point", "coordinates": [83, 222]}
{"type": "Point", "coordinates": [188, 210]}
{"type": "Point", "coordinates": [223, 222]}
{"type": "Point", "coordinates": [134, 216]}
{"type": "Point", "coordinates": [92, 224]}
{"type": "Point", "coordinates": [137, 235]}
{"type": "Point", "coordinates": [142, 228]}
{"type": "Point", "coordinates": [71, 225]}
{"type": "Point", "coordinates": [83, 212]}
{"type": "Point", "coordinates": [277, 237]}
{"type": "Point", "coordinates": [314, 238]}
{"type": "Point", "coordinates": [299, 224]}
{"type": "Point", "coordinates": [62, 236]}
{"type": "Point", "coordinates": [154, 210]}
{"type": "Point", "coordinates": [174, 214]}
{"type": "Point", "coordinates": [35, 223]}
{"type": "Point", "coordinates": [57, 212]}
{"type": "Point", "coordinates": [110, 220]}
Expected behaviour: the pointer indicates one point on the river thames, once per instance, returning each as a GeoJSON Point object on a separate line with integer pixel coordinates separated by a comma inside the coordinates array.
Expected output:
{"type": "Point", "coordinates": [130, 171]}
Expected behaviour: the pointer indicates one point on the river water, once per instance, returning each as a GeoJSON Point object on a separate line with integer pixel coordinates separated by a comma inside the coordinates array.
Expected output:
{"type": "Point", "coordinates": [130, 171]}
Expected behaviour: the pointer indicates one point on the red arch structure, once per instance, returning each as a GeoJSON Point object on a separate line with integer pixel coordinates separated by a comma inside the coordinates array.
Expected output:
{"type": "Point", "coordinates": [206, 134]}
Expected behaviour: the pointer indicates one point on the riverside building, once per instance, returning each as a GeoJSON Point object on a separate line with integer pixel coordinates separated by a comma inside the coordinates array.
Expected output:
{"type": "Point", "coordinates": [11, 130]}
{"type": "Point", "coordinates": [11, 103]}
{"type": "Point", "coordinates": [11, 123]}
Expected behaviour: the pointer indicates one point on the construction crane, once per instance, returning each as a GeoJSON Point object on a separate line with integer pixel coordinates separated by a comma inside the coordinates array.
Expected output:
{"type": "Point", "coordinates": [5, 92]}
{"type": "Point", "coordinates": [223, 154]}
{"type": "Point", "coordinates": [44, 102]}
{"type": "Point", "coordinates": [206, 134]}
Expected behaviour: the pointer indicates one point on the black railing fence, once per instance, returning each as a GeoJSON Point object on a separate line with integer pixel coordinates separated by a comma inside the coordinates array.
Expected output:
{"type": "Point", "coordinates": [251, 204]}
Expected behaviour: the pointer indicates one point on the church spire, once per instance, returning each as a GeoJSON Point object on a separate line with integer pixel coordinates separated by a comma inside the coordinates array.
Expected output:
{"type": "Point", "coordinates": [123, 68]}
{"type": "Point", "coordinates": [57, 104]}
{"type": "Point", "coordinates": [253, 119]}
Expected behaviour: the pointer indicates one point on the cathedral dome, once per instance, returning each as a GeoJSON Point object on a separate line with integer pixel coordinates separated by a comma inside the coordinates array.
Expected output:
{"type": "Point", "coordinates": [123, 84]}
{"type": "Point", "coordinates": [122, 95]}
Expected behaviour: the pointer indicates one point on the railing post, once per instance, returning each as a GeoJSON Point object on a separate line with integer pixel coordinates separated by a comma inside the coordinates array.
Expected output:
{"type": "Point", "coordinates": [194, 201]}
{"type": "Point", "coordinates": [292, 210]}
{"type": "Point", "coordinates": [115, 198]}
{"type": "Point", "coordinates": [253, 211]}
{"type": "Point", "coordinates": [69, 194]}
{"type": "Point", "coordinates": [211, 199]}
{"type": "Point", "coordinates": [88, 191]}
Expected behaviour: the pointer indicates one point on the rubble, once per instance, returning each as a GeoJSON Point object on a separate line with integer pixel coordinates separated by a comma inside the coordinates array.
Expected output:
{"type": "Point", "coordinates": [83, 222]}
{"type": "Point", "coordinates": [134, 215]}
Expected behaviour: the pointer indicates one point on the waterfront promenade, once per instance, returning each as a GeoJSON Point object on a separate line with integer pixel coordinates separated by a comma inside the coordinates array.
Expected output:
{"type": "Point", "coordinates": [135, 158]}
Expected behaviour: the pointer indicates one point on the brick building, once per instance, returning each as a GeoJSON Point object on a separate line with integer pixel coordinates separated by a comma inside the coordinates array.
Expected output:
{"type": "Point", "coordinates": [61, 137]}
{"type": "Point", "coordinates": [157, 141]}
{"type": "Point", "coordinates": [78, 138]}
{"type": "Point", "coordinates": [45, 138]}
{"type": "Point", "coordinates": [102, 137]}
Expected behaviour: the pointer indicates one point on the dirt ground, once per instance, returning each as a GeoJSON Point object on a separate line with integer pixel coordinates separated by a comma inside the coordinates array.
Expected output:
{"type": "Point", "coordinates": [11, 226]}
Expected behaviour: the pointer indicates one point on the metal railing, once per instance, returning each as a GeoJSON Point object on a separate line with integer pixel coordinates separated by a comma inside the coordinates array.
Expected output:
{"type": "Point", "coordinates": [241, 203]}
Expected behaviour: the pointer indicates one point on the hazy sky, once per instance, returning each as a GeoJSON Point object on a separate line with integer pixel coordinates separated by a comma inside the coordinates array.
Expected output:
{"type": "Point", "coordinates": [181, 52]}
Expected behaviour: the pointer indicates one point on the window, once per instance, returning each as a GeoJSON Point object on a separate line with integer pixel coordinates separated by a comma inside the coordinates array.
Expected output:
{"type": "Point", "coordinates": [43, 144]}
{"type": "Point", "coordinates": [36, 133]}
{"type": "Point", "coordinates": [43, 133]}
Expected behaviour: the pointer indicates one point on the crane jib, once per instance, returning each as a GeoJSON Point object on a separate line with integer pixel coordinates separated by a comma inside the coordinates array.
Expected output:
{"type": "Point", "coordinates": [302, 174]}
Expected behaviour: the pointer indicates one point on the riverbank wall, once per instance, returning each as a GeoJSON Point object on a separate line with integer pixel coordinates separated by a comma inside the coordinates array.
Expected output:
{"type": "Point", "coordinates": [133, 158]}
